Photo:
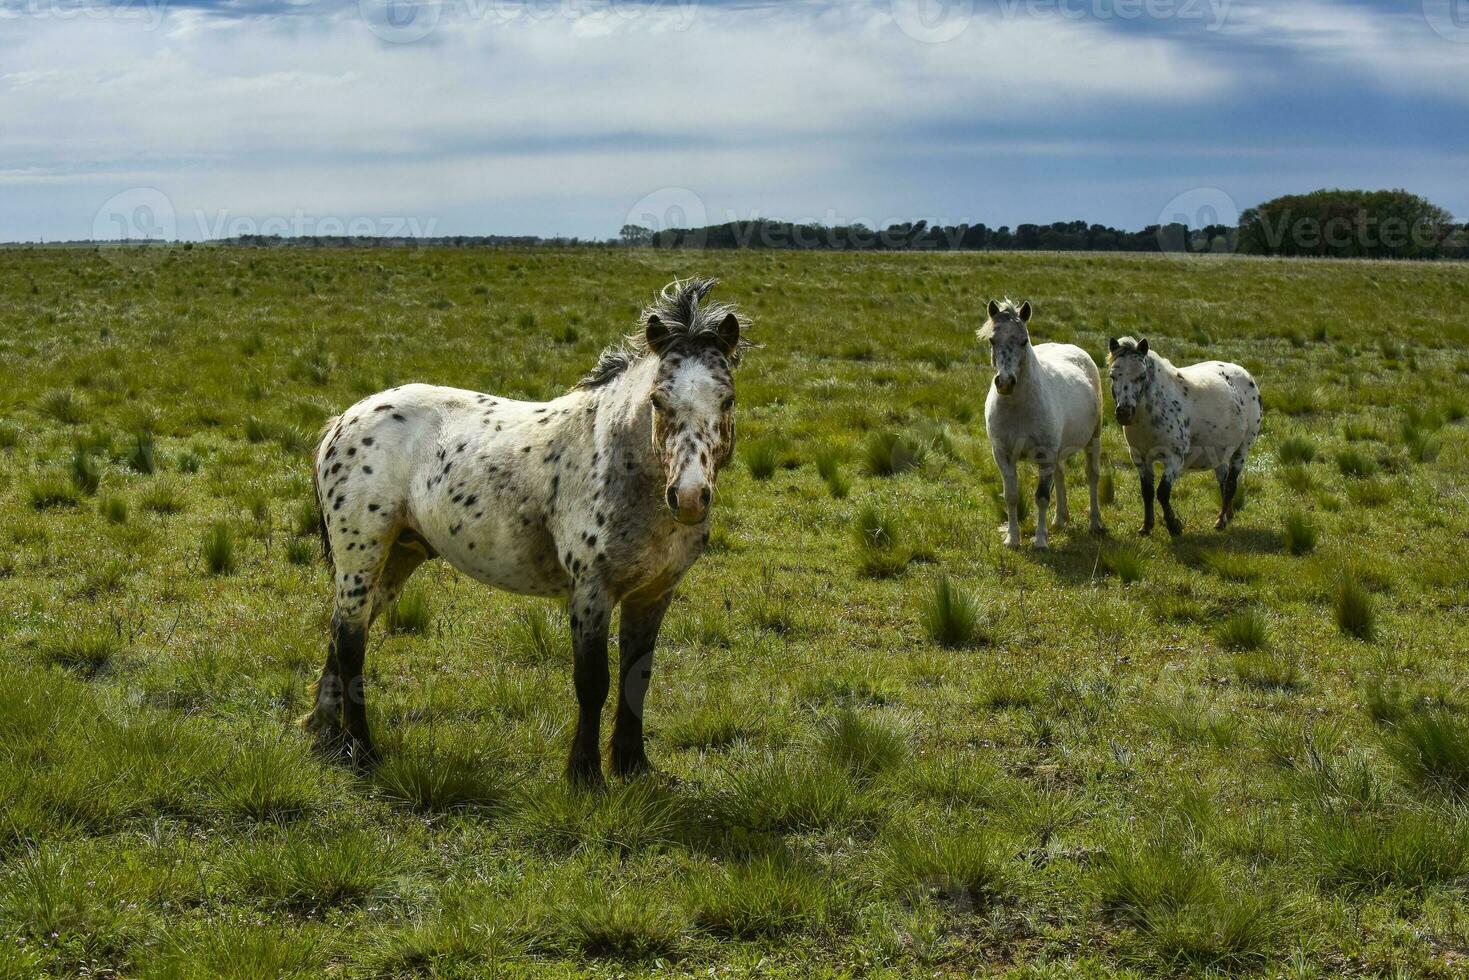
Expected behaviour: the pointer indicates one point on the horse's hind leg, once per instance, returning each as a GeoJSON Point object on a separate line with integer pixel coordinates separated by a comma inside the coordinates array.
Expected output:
{"type": "Point", "coordinates": [1093, 478]}
{"type": "Point", "coordinates": [1063, 512]}
{"type": "Point", "coordinates": [1230, 489]}
{"type": "Point", "coordinates": [1048, 468]}
{"type": "Point", "coordinates": [1221, 474]}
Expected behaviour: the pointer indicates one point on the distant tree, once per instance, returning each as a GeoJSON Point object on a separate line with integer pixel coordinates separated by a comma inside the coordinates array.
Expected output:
{"type": "Point", "coordinates": [1348, 224]}
{"type": "Point", "coordinates": [636, 235]}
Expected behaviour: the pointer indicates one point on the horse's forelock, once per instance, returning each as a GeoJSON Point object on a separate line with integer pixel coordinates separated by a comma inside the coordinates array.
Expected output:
{"type": "Point", "coordinates": [691, 325]}
{"type": "Point", "coordinates": [1125, 346]}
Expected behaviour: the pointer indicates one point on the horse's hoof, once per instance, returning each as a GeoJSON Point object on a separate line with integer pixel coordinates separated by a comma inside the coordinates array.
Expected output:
{"type": "Point", "coordinates": [1012, 542]}
{"type": "Point", "coordinates": [631, 768]}
{"type": "Point", "coordinates": [1144, 531]}
{"type": "Point", "coordinates": [1099, 530]}
{"type": "Point", "coordinates": [585, 774]}
{"type": "Point", "coordinates": [1176, 529]}
{"type": "Point", "coordinates": [363, 755]}
{"type": "Point", "coordinates": [1042, 546]}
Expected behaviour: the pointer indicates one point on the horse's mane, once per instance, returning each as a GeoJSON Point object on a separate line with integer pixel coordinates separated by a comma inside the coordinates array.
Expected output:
{"type": "Point", "coordinates": [680, 308]}
{"type": "Point", "coordinates": [1009, 309]}
{"type": "Point", "coordinates": [1128, 345]}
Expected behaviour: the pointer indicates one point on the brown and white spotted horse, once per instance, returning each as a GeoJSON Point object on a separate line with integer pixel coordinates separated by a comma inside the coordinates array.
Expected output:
{"type": "Point", "coordinates": [601, 496]}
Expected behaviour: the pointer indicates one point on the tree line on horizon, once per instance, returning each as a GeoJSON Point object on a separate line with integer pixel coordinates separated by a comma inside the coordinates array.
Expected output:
{"type": "Point", "coordinates": [1391, 224]}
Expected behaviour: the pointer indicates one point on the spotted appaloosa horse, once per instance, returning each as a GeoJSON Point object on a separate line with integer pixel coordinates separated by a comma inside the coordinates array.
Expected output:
{"type": "Point", "coordinates": [1202, 417]}
{"type": "Point", "coordinates": [1044, 405]}
{"type": "Point", "coordinates": [601, 496]}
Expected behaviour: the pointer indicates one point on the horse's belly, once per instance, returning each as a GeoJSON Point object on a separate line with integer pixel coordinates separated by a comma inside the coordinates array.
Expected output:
{"type": "Point", "coordinates": [506, 554]}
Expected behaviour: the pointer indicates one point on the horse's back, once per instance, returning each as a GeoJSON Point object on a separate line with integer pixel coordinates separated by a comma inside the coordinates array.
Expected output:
{"type": "Point", "coordinates": [1226, 400]}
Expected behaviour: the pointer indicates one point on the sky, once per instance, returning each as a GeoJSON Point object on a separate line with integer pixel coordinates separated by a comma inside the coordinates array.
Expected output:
{"type": "Point", "coordinates": [197, 119]}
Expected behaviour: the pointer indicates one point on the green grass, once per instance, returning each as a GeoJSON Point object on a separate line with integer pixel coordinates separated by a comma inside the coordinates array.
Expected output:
{"type": "Point", "coordinates": [1356, 615]}
{"type": "Point", "coordinates": [953, 617]}
{"type": "Point", "coordinates": [1113, 774]}
{"type": "Point", "coordinates": [218, 549]}
{"type": "Point", "coordinates": [1301, 534]}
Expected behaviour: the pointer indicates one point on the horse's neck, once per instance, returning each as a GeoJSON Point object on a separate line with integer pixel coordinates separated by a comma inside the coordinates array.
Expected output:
{"type": "Point", "coordinates": [1165, 382]}
{"type": "Point", "coordinates": [1029, 384]}
{"type": "Point", "coordinates": [624, 409]}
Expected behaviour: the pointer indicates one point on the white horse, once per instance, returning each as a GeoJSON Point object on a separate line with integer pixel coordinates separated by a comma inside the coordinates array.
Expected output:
{"type": "Point", "coordinates": [1202, 417]}
{"type": "Point", "coordinates": [600, 496]}
{"type": "Point", "coordinates": [1045, 405]}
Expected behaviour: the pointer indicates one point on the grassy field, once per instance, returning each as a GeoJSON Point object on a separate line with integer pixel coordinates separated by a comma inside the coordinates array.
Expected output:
{"type": "Point", "coordinates": [887, 744]}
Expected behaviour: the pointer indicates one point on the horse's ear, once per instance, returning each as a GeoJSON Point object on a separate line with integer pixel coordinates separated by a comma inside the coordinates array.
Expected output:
{"type": "Point", "coordinates": [656, 334]}
{"type": "Point", "coordinates": [1025, 312]}
{"type": "Point", "coordinates": [729, 334]}
{"type": "Point", "coordinates": [1142, 347]}
{"type": "Point", "coordinates": [1112, 344]}
{"type": "Point", "coordinates": [994, 309]}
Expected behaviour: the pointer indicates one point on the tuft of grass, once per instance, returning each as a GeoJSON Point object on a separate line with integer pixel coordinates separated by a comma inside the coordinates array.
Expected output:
{"type": "Point", "coordinates": [1300, 533]}
{"type": "Point", "coordinates": [1423, 445]}
{"type": "Point", "coordinates": [9, 435]}
{"type": "Point", "coordinates": [162, 498]}
{"type": "Point", "coordinates": [880, 553]}
{"type": "Point", "coordinates": [189, 462]}
{"type": "Point", "coordinates": [971, 869]}
{"type": "Point", "coordinates": [307, 871]}
{"type": "Point", "coordinates": [1267, 671]}
{"type": "Point", "coordinates": [829, 466]}
{"type": "Point", "coordinates": [1432, 749]}
{"type": "Point", "coordinates": [218, 549]}
{"type": "Point", "coordinates": [86, 472]}
{"type": "Point", "coordinates": [1352, 604]}
{"type": "Point", "coordinates": [1355, 464]}
{"type": "Point", "coordinates": [63, 405]}
{"type": "Point", "coordinates": [1243, 630]}
{"type": "Point", "coordinates": [863, 745]}
{"type": "Point", "coordinates": [257, 430]}
{"type": "Point", "coordinates": [1124, 559]}
{"type": "Point", "coordinates": [268, 780]}
{"type": "Point", "coordinates": [787, 795]}
{"type": "Point", "coordinates": [114, 509]}
{"type": "Point", "coordinates": [1384, 700]}
{"type": "Point", "coordinates": [593, 920]}
{"type": "Point", "coordinates": [300, 551]}
{"type": "Point", "coordinates": [412, 613]}
{"type": "Point", "coordinates": [952, 617]}
{"type": "Point", "coordinates": [1107, 488]}
{"type": "Point", "coordinates": [1297, 477]}
{"type": "Point", "coordinates": [537, 638]}
{"type": "Point", "coordinates": [140, 455]}
{"type": "Point", "coordinates": [1185, 912]}
{"type": "Point", "coordinates": [430, 777]}
{"type": "Point", "coordinates": [890, 453]}
{"type": "Point", "coordinates": [1296, 449]}
{"type": "Point", "coordinates": [769, 896]}
{"type": "Point", "coordinates": [51, 490]}
{"type": "Point", "coordinates": [86, 650]}
{"type": "Point", "coordinates": [1408, 848]}
{"type": "Point", "coordinates": [625, 819]}
{"type": "Point", "coordinates": [762, 458]}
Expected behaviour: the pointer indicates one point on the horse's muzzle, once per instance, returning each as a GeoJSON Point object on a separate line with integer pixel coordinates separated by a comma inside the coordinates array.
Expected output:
{"type": "Point", "coordinates": [1004, 383]}
{"type": "Point", "coordinates": [689, 505]}
{"type": "Point", "coordinates": [1124, 415]}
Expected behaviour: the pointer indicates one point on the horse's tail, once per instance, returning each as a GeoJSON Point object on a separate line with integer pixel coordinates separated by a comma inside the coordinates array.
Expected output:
{"type": "Point", "coordinates": [326, 539]}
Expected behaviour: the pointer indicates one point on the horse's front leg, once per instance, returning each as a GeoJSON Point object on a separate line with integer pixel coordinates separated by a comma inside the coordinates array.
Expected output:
{"type": "Point", "coordinates": [1012, 498]}
{"type": "Point", "coordinates": [1172, 468]}
{"type": "Point", "coordinates": [636, 638]}
{"type": "Point", "coordinates": [1047, 465]}
{"type": "Point", "coordinates": [1145, 480]}
{"type": "Point", "coordinates": [591, 611]}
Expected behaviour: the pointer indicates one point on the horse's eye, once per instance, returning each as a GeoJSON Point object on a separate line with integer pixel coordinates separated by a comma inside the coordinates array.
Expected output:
{"type": "Point", "coordinates": [728, 404]}
{"type": "Point", "coordinates": [660, 403]}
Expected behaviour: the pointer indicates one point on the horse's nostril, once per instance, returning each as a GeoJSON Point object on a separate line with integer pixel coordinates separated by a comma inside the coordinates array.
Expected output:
{"type": "Point", "coordinates": [704, 496]}
{"type": "Point", "coordinates": [672, 497]}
